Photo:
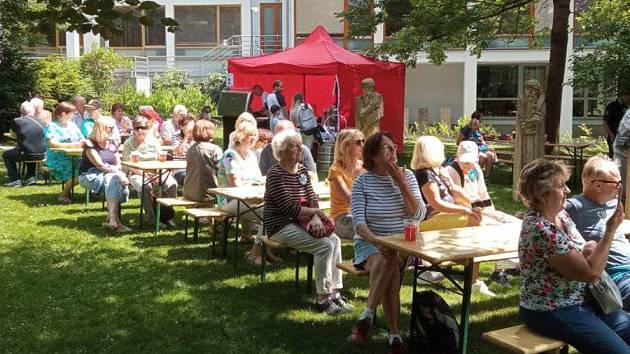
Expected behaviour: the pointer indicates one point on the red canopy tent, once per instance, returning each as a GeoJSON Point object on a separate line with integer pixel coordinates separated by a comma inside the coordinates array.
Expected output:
{"type": "Point", "coordinates": [314, 66]}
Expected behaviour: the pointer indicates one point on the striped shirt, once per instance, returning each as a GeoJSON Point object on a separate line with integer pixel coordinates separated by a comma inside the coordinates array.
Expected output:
{"type": "Point", "coordinates": [283, 193]}
{"type": "Point", "coordinates": [377, 202]}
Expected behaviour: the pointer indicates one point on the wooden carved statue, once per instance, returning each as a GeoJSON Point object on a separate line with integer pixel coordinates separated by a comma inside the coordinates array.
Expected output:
{"type": "Point", "coordinates": [530, 129]}
{"type": "Point", "coordinates": [368, 109]}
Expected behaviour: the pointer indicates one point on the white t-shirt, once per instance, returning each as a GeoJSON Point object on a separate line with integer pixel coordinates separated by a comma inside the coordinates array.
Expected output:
{"type": "Point", "coordinates": [245, 170]}
{"type": "Point", "coordinates": [271, 101]}
{"type": "Point", "coordinates": [474, 184]}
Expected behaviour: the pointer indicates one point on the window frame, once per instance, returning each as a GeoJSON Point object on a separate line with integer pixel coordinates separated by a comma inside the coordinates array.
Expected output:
{"type": "Point", "coordinates": [217, 26]}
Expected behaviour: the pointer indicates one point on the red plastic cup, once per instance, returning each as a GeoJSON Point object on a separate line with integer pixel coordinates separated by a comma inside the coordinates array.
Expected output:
{"type": "Point", "coordinates": [411, 229]}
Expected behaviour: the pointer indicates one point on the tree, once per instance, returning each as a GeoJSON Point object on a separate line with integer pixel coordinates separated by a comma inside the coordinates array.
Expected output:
{"type": "Point", "coordinates": [103, 17]}
{"type": "Point", "coordinates": [607, 68]}
{"type": "Point", "coordinates": [434, 26]}
{"type": "Point", "coordinates": [15, 75]}
{"type": "Point", "coordinates": [98, 66]}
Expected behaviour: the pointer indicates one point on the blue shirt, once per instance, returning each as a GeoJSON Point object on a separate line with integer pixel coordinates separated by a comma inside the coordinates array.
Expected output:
{"type": "Point", "coordinates": [590, 220]}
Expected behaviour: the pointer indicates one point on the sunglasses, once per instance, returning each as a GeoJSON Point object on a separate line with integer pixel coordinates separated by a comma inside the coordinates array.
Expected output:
{"type": "Point", "coordinates": [617, 183]}
{"type": "Point", "coordinates": [140, 128]}
{"type": "Point", "coordinates": [359, 142]}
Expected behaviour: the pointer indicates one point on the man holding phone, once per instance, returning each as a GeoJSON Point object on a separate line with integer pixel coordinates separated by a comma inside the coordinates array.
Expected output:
{"type": "Point", "coordinates": [590, 210]}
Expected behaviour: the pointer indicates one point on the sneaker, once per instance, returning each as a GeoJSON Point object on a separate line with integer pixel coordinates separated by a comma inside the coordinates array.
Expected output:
{"type": "Point", "coordinates": [343, 303]}
{"type": "Point", "coordinates": [14, 184]}
{"type": "Point", "coordinates": [397, 347]}
{"type": "Point", "coordinates": [501, 279]}
{"type": "Point", "coordinates": [329, 307]}
{"type": "Point", "coordinates": [30, 181]}
{"type": "Point", "coordinates": [430, 277]}
{"type": "Point", "coordinates": [361, 331]}
{"type": "Point", "coordinates": [482, 288]}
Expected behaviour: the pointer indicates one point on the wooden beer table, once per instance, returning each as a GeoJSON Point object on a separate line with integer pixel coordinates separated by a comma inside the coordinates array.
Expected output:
{"type": "Point", "coordinates": [461, 246]}
{"type": "Point", "coordinates": [160, 170]}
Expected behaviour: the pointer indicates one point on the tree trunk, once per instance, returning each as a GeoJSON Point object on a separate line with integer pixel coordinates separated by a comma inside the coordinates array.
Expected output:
{"type": "Point", "coordinates": [557, 62]}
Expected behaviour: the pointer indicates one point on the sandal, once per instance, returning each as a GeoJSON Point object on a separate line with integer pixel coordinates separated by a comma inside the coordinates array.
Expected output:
{"type": "Point", "coordinates": [122, 229]}
{"type": "Point", "coordinates": [63, 199]}
{"type": "Point", "coordinates": [256, 260]}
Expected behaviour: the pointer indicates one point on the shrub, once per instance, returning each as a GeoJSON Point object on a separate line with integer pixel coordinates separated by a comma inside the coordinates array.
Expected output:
{"type": "Point", "coordinates": [213, 85]}
{"type": "Point", "coordinates": [98, 67]}
{"type": "Point", "coordinates": [16, 80]}
{"type": "Point", "coordinates": [58, 79]}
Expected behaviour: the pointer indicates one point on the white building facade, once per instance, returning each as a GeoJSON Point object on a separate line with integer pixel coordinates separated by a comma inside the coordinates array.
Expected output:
{"type": "Point", "coordinates": [214, 30]}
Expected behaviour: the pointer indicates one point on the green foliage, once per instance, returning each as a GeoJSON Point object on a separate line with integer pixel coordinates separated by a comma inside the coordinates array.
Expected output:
{"type": "Point", "coordinates": [98, 66]}
{"type": "Point", "coordinates": [165, 95]}
{"type": "Point", "coordinates": [16, 80]}
{"type": "Point", "coordinates": [607, 24]}
{"type": "Point", "coordinates": [445, 132]}
{"type": "Point", "coordinates": [585, 135]}
{"type": "Point", "coordinates": [58, 79]}
{"type": "Point", "coordinates": [437, 25]}
{"type": "Point", "coordinates": [106, 18]}
{"type": "Point", "coordinates": [213, 85]}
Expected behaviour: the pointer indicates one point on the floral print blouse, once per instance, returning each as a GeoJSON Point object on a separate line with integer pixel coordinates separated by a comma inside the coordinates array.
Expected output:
{"type": "Point", "coordinates": [542, 287]}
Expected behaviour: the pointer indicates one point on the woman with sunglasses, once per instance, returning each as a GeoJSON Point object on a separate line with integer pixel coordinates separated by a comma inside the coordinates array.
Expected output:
{"type": "Point", "coordinates": [347, 165]}
{"type": "Point", "coordinates": [146, 146]}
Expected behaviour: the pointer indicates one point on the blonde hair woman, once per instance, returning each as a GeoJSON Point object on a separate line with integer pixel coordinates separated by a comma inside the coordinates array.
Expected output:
{"type": "Point", "coordinates": [447, 204]}
{"type": "Point", "coordinates": [347, 165]}
{"type": "Point", "coordinates": [241, 169]}
{"type": "Point", "coordinates": [101, 171]}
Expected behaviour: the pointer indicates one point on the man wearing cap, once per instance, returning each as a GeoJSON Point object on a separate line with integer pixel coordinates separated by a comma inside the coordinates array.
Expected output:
{"type": "Point", "coordinates": [93, 112]}
{"type": "Point", "coordinates": [147, 147]}
{"type": "Point", "coordinates": [466, 172]}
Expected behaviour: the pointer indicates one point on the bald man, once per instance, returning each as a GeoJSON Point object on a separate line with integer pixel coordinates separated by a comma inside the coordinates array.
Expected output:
{"type": "Point", "coordinates": [601, 183]}
{"type": "Point", "coordinates": [266, 155]}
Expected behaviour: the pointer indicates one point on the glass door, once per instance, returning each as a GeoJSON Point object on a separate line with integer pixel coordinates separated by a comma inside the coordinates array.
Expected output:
{"type": "Point", "coordinates": [271, 28]}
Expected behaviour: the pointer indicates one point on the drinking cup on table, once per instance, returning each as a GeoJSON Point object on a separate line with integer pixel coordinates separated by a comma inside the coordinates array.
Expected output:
{"type": "Point", "coordinates": [135, 157]}
{"type": "Point", "coordinates": [162, 156]}
{"type": "Point", "coordinates": [411, 229]}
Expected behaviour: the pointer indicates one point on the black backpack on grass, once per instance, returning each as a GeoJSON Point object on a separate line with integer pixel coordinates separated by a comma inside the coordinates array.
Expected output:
{"type": "Point", "coordinates": [433, 325]}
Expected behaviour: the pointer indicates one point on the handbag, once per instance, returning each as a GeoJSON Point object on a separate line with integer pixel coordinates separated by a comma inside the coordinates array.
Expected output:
{"type": "Point", "coordinates": [606, 294]}
{"type": "Point", "coordinates": [329, 224]}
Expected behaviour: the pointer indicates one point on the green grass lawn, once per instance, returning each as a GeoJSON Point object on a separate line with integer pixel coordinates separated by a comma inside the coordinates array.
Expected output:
{"type": "Point", "coordinates": [69, 286]}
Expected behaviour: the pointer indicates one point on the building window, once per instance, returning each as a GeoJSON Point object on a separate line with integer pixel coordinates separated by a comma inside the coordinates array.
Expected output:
{"type": "Point", "coordinates": [198, 25]}
{"type": "Point", "coordinates": [499, 86]}
{"type": "Point", "coordinates": [356, 43]}
{"type": "Point", "coordinates": [395, 11]}
{"type": "Point", "coordinates": [134, 35]}
{"type": "Point", "coordinates": [588, 103]}
{"type": "Point", "coordinates": [206, 25]}
{"type": "Point", "coordinates": [156, 34]}
{"type": "Point", "coordinates": [229, 22]}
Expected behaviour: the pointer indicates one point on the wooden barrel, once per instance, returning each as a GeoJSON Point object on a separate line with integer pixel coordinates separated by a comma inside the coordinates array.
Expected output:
{"type": "Point", "coordinates": [325, 156]}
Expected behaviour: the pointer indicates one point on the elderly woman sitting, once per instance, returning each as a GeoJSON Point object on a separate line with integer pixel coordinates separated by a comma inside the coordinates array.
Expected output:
{"type": "Point", "coordinates": [202, 163]}
{"type": "Point", "coordinates": [381, 198]}
{"type": "Point", "coordinates": [290, 202]}
{"type": "Point", "coordinates": [62, 133]}
{"type": "Point", "coordinates": [100, 170]}
{"type": "Point", "coordinates": [556, 265]}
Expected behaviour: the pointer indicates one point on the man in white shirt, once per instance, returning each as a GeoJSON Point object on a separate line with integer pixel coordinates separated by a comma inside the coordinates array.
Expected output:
{"type": "Point", "coordinates": [171, 130]}
{"type": "Point", "coordinates": [277, 99]}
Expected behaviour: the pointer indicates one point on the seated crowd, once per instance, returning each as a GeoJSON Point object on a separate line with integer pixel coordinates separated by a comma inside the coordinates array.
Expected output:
{"type": "Point", "coordinates": [565, 244]}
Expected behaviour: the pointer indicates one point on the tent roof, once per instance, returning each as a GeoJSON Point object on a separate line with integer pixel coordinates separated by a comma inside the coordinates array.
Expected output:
{"type": "Point", "coordinates": [318, 54]}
